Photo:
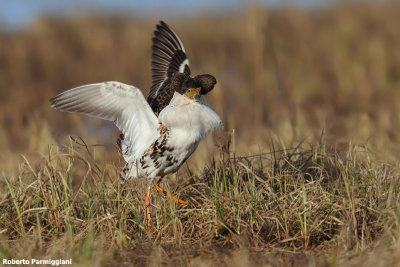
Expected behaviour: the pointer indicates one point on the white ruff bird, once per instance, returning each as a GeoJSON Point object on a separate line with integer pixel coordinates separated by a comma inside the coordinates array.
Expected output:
{"type": "Point", "coordinates": [158, 135]}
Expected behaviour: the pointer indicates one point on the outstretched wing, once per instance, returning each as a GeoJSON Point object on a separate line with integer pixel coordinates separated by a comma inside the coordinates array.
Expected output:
{"type": "Point", "coordinates": [168, 57]}
{"type": "Point", "coordinates": [123, 104]}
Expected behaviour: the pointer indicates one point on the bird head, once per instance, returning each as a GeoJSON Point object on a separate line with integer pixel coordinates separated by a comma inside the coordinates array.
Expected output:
{"type": "Point", "coordinates": [193, 88]}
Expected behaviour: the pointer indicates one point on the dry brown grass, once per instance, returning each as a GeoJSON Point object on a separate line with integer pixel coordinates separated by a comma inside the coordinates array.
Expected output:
{"type": "Point", "coordinates": [309, 177]}
{"type": "Point", "coordinates": [290, 206]}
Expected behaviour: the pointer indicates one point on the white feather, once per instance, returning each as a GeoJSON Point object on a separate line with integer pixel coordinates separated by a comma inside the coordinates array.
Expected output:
{"type": "Point", "coordinates": [123, 104]}
{"type": "Point", "coordinates": [183, 64]}
{"type": "Point", "coordinates": [190, 121]}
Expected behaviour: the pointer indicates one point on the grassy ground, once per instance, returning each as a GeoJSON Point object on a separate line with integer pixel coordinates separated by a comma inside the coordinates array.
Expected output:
{"type": "Point", "coordinates": [305, 173]}
{"type": "Point", "coordinates": [290, 206]}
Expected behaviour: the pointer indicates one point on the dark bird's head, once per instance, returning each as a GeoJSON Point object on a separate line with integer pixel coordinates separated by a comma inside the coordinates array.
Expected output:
{"type": "Point", "coordinates": [195, 87]}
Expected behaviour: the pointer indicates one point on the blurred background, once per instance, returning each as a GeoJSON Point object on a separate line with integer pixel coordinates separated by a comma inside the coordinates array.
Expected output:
{"type": "Point", "coordinates": [287, 71]}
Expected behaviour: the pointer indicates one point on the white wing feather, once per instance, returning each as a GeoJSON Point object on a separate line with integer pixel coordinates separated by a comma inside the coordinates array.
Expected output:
{"type": "Point", "coordinates": [123, 104]}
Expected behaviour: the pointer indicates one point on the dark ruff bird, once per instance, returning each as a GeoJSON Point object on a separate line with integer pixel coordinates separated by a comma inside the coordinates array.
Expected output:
{"type": "Point", "coordinates": [160, 134]}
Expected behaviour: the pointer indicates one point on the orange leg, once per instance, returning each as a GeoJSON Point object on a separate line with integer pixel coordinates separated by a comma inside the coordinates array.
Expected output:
{"type": "Point", "coordinates": [148, 214]}
{"type": "Point", "coordinates": [176, 200]}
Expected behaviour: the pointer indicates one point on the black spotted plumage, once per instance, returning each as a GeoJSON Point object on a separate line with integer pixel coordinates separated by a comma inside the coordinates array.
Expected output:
{"type": "Point", "coordinates": [159, 152]}
{"type": "Point", "coordinates": [119, 142]}
{"type": "Point", "coordinates": [165, 94]}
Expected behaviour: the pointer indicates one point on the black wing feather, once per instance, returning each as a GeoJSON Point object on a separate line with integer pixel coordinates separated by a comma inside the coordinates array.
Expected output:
{"type": "Point", "coordinates": [167, 58]}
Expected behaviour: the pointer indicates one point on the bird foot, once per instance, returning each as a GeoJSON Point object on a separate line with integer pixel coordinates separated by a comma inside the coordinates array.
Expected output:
{"type": "Point", "coordinates": [176, 200]}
